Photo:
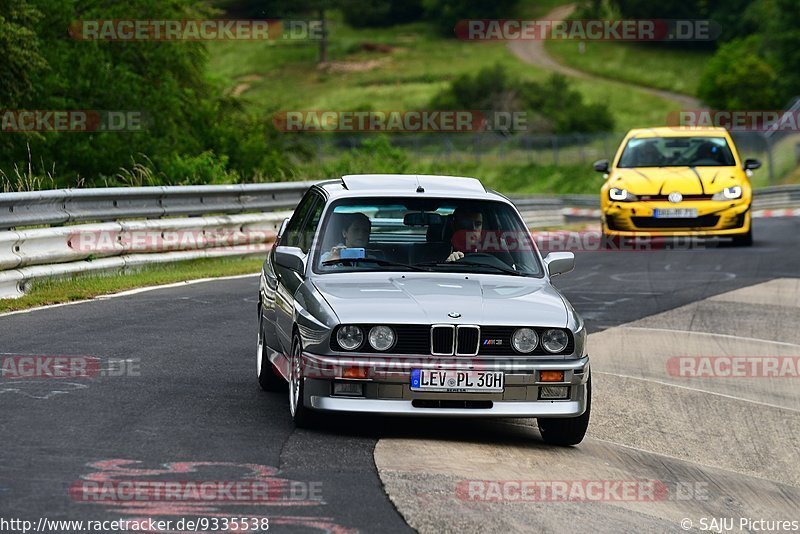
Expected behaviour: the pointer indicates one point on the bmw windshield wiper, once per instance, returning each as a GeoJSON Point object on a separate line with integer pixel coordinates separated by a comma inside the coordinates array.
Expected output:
{"type": "Point", "coordinates": [469, 263]}
{"type": "Point", "coordinates": [382, 263]}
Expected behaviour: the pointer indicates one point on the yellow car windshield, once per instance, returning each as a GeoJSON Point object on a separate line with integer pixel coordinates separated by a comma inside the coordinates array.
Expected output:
{"type": "Point", "coordinates": [677, 152]}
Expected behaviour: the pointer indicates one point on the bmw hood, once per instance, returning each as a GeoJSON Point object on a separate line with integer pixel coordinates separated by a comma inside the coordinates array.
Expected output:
{"type": "Point", "coordinates": [664, 180]}
{"type": "Point", "coordinates": [416, 298]}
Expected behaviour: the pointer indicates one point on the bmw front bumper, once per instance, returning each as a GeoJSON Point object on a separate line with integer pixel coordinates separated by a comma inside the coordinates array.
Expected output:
{"type": "Point", "coordinates": [387, 387]}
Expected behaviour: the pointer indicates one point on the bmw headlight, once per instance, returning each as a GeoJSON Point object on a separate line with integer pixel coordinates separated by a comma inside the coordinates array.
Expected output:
{"type": "Point", "coordinates": [350, 337]}
{"type": "Point", "coordinates": [621, 195]}
{"type": "Point", "coordinates": [524, 340]}
{"type": "Point", "coordinates": [381, 337]}
{"type": "Point", "coordinates": [729, 193]}
{"type": "Point", "coordinates": [554, 340]}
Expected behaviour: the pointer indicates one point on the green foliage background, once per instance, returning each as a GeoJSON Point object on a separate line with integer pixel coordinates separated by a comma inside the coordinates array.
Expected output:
{"type": "Point", "coordinates": [198, 133]}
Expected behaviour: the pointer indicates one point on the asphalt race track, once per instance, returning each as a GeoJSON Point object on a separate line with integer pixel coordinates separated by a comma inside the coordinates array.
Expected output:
{"type": "Point", "coordinates": [175, 399]}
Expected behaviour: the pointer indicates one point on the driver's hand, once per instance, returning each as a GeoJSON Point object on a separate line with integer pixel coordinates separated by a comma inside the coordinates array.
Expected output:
{"type": "Point", "coordinates": [455, 256]}
{"type": "Point", "coordinates": [335, 252]}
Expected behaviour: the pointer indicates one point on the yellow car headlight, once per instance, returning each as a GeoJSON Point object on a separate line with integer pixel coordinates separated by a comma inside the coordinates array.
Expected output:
{"type": "Point", "coordinates": [621, 195]}
{"type": "Point", "coordinates": [729, 193]}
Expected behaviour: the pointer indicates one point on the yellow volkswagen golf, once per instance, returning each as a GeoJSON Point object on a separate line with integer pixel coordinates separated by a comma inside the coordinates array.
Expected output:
{"type": "Point", "coordinates": [677, 182]}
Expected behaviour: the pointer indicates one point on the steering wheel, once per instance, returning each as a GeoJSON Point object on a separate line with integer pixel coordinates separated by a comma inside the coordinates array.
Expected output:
{"type": "Point", "coordinates": [493, 260]}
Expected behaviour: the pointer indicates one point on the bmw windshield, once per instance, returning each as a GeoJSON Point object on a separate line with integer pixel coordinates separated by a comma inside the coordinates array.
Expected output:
{"type": "Point", "coordinates": [442, 235]}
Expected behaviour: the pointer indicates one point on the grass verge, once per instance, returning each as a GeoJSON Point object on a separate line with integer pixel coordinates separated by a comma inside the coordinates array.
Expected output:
{"type": "Point", "coordinates": [411, 64]}
{"type": "Point", "coordinates": [82, 287]}
{"type": "Point", "coordinates": [657, 66]}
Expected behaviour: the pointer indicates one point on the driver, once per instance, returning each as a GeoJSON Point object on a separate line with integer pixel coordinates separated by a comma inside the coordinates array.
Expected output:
{"type": "Point", "coordinates": [467, 224]}
{"type": "Point", "coordinates": [650, 156]}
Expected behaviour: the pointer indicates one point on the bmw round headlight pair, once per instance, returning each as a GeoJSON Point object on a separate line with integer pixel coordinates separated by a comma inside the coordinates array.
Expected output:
{"type": "Point", "coordinates": [350, 337]}
{"type": "Point", "coordinates": [525, 340]}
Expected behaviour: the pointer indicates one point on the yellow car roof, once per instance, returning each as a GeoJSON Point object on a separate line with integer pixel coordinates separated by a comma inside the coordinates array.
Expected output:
{"type": "Point", "coordinates": [677, 131]}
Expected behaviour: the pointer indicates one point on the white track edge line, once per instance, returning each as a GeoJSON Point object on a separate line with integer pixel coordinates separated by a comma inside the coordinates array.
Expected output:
{"type": "Point", "coordinates": [128, 292]}
{"type": "Point", "coordinates": [697, 390]}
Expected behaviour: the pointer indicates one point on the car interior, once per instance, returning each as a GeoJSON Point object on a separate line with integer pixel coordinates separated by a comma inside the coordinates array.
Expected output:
{"type": "Point", "coordinates": [425, 234]}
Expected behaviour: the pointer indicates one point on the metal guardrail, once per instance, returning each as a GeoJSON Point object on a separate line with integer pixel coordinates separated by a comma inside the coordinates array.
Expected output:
{"type": "Point", "coordinates": [116, 247]}
{"type": "Point", "coordinates": [778, 196]}
{"type": "Point", "coordinates": [63, 206]}
{"type": "Point", "coordinates": [135, 225]}
{"type": "Point", "coordinates": [539, 210]}
{"type": "Point", "coordinates": [62, 244]}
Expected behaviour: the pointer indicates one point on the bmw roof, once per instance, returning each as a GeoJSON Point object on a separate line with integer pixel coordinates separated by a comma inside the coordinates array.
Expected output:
{"type": "Point", "coordinates": [407, 185]}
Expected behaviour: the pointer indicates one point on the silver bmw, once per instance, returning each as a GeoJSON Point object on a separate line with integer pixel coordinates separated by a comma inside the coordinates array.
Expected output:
{"type": "Point", "coordinates": [420, 296]}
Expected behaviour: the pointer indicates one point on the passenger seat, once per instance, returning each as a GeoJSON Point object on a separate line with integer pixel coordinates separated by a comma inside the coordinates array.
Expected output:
{"type": "Point", "coordinates": [436, 248]}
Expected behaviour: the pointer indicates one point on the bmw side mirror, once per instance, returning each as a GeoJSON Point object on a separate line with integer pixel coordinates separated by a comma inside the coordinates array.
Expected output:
{"type": "Point", "coordinates": [559, 263]}
{"type": "Point", "coordinates": [291, 258]}
{"type": "Point", "coordinates": [752, 164]}
{"type": "Point", "coordinates": [601, 165]}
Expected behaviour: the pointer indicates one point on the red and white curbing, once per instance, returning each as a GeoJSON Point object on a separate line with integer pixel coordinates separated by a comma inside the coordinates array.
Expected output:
{"type": "Point", "coordinates": [777, 213]}
{"type": "Point", "coordinates": [580, 212]}
{"type": "Point", "coordinates": [757, 214]}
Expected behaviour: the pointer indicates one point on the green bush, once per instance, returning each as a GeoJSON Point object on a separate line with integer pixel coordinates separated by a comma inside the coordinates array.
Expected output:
{"type": "Point", "coordinates": [555, 106]}
{"type": "Point", "coordinates": [374, 156]}
{"type": "Point", "coordinates": [205, 168]}
{"type": "Point", "coordinates": [738, 78]}
{"type": "Point", "coordinates": [558, 101]}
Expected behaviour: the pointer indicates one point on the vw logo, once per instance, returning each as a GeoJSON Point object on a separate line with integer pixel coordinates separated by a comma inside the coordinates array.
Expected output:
{"type": "Point", "coordinates": [454, 315]}
{"type": "Point", "coordinates": [675, 197]}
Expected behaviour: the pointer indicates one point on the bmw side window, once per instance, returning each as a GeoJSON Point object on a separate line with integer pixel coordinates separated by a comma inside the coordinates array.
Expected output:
{"type": "Point", "coordinates": [295, 226]}
{"type": "Point", "coordinates": [310, 227]}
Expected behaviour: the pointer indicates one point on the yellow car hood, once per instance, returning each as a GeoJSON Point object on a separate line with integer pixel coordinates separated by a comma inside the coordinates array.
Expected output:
{"type": "Point", "coordinates": [664, 180]}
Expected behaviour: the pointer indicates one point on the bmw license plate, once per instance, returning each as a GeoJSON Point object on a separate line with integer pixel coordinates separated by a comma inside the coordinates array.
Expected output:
{"type": "Point", "coordinates": [675, 213]}
{"type": "Point", "coordinates": [457, 381]}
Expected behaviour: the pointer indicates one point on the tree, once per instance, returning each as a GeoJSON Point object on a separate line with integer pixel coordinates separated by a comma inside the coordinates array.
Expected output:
{"type": "Point", "coordinates": [19, 51]}
{"type": "Point", "coordinates": [739, 77]}
{"type": "Point", "coordinates": [285, 9]}
{"type": "Point", "coordinates": [187, 115]}
{"type": "Point", "coordinates": [781, 39]}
